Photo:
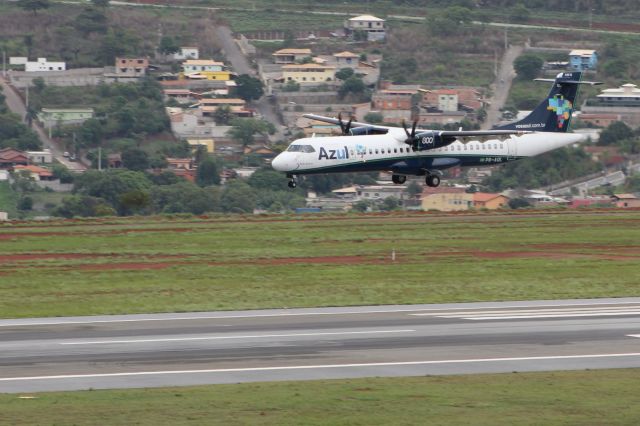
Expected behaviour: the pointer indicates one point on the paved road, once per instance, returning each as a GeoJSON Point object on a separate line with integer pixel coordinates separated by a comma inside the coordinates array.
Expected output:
{"type": "Point", "coordinates": [246, 346]}
{"type": "Point", "coordinates": [502, 85]}
{"type": "Point", "coordinates": [16, 105]}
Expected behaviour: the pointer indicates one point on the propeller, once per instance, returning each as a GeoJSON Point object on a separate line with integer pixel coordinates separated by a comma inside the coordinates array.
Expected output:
{"type": "Point", "coordinates": [411, 137]}
{"type": "Point", "coordinates": [344, 127]}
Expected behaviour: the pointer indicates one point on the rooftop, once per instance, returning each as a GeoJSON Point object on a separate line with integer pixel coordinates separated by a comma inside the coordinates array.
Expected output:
{"type": "Point", "coordinates": [582, 52]}
{"type": "Point", "coordinates": [366, 18]}
{"type": "Point", "coordinates": [293, 52]}
{"type": "Point", "coordinates": [202, 62]}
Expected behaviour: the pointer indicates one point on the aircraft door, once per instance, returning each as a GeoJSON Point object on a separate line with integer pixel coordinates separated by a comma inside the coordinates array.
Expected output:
{"type": "Point", "coordinates": [511, 149]}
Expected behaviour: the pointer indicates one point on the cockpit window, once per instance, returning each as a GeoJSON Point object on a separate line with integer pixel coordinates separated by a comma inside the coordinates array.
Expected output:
{"type": "Point", "coordinates": [300, 148]}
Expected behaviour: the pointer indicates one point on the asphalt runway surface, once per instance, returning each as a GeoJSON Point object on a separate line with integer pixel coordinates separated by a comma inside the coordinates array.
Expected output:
{"type": "Point", "coordinates": [134, 351]}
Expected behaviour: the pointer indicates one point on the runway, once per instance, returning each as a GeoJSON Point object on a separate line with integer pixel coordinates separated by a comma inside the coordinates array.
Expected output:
{"type": "Point", "coordinates": [132, 351]}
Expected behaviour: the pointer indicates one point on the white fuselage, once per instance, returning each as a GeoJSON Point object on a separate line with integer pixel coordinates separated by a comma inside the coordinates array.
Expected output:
{"type": "Point", "coordinates": [390, 152]}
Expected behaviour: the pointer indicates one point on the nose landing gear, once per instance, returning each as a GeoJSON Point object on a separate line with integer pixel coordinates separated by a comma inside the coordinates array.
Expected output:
{"type": "Point", "coordinates": [293, 182]}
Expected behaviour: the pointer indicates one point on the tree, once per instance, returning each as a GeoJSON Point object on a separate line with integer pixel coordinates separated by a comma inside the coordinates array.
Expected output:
{"type": "Point", "coordinates": [374, 118]}
{"type": "Point", "coordinates": [135, 159]}
{"type": "Point", "coordinates": [25, 203]}
{"type": "Point", "coordinates": [389, 204]}
{"type": "Point", "coordinates": [168, 45]}
{"type": "Point", "coordinates": [238, 197]}
{"type": "Point", "coordinates": [34, 5]}
{"type": "Point", "coordinates": [344, 73]}
{"type": "Point", "coordinates": [266, 179]}
{"type": "Point", "coordinates": [249, 88]}
{"type": "Point", "coordinates": [100, 3]}
{"type": "Point", "coordinates": [91, 20]}
{"type": "Point", "coordinates": [614, 133]}
{"type": "Point", "coordinates": [208, 173]}
{"type": "Point", "coordinates": [528, 66]}
{"type": "Point", "coordinates": [519, 203]}
{"type": "Point", "coordinates": [244, 129]}
{"type": "Point", "coordinates": [223, 115]}
{"type": "Point", "coordinates": [352, 85]}
{"type": "Point", "coordinates": [519, 13]}
{"type": "Point", "coordinates": [133, 202]}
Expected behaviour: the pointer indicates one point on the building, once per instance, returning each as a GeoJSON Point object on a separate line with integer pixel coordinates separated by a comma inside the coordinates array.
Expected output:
{"type": "Point", "coordinates": [208, 144]}
{"type": "Point", "coordinates": [373, 26]}
{"type": "Point", "coordinates": [49, 117]}
{"type": "Point", "coordinates": [308, 73]}
{"type": "Point", "coordinates": [181, 95]}
{"type": "Point", "coordinates": [601, 120]}
{"type": "Point", "coordinates": [290, 56]}
{"type": "Point", "coordinates": [40, 157]}
{"type": "Point", "coordinates": [381, 192]}
{"type": "Point", "coordinates": [393, 99]}
{"type": "Point", "coordinates": [42, 65]}
{"type": "Point", "coordinates": [346, 59]}
{"type": "Point", "coordinates": [131, 67]}
{"type": "Point", "coordinates": [490, 201]}
{"type": "Point", "coordinates": [625, 200]}
{"type": "Point", "coordinates": [583, 59]}
{"type": "Point", "coordinates": [627, 95]}
{"type": "Point", "coordinates": [10, 157]}
{"type": "Point", "coordinates": [205, 69]}
{"type": "Point", "coordinates": [36, 173]}
{"type": "Point", "coordinates": [186, 52]}
{"type": "Point", "coordinates": [445, 199]}
{"type": "Point", "coordinates": [465, 98]}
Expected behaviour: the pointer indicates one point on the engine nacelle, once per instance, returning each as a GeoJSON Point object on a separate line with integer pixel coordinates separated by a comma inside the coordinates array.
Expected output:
{"type": "Point", "coordinates": [431, 140]}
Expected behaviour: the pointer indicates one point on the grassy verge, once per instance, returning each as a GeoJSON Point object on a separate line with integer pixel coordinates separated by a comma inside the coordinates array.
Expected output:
{"type": "Point", "coordinates": [8, 199]}
{"type": "Point", "coordinates": [163, 264]}
{"type": "Point", "coordinates": [561, 398]}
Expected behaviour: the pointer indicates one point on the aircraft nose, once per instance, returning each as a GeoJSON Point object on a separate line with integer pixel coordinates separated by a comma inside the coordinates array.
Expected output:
{"type": "Point", "coordinates": [279, 163]}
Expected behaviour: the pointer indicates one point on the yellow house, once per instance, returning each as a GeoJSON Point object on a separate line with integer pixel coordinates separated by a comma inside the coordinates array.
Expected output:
{"type": "Point", "coordinates": [446, 199]}
{"type": "Point", "coordinates": [207, 143]}
{"type": "Point", "coordinates": [308, 73]}
{"type": "Point", "coordinates": [487, 200]}
{"type": "Point", "coordinates": [204, 69]}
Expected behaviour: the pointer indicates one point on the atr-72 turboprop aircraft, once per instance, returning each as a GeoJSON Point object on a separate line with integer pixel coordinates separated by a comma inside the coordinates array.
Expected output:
{"type": "Point", "coordinates": [366, 147]}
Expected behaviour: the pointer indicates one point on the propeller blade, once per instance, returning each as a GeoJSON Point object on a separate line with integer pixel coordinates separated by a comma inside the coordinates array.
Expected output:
{"type": "Point", "coordinates": [341, 123]}
{"type": "Point", "coordinates": [413, 130]}
{"type": "Point", "coordinates": [348, 126]}
{"type": "Point", "coordinates": [404, 126]}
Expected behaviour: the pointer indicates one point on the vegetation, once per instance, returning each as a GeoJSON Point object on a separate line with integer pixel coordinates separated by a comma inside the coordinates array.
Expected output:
{"type": "Point", "coordinates": [179, 263]}
{"type": "Point", "coordinates": [13, 133]}
{"type": "Point", "coordinates": [550, 398]}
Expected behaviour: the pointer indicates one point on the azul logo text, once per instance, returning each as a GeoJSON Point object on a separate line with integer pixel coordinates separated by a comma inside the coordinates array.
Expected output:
{"type": "Point", "coordinates": [334, 154]}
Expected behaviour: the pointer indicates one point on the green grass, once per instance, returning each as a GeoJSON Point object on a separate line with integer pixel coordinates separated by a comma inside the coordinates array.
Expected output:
{"type": "Point", "coordinates": [179, 264]}
{"type": "Point", "coordinates": [561, 398]}
{"type": "Point", "coordinates": [8, 199]}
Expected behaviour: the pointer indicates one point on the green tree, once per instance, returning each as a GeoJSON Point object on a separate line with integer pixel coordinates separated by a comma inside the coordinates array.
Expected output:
{"type": "Point", "coordinates": [244, 129]}
{"type": "Point", "coordinates": [374, 118]}
{"type": "Point", "coordinates": [223, 115]}
{"type": "Point", "coordinates": [389, 204]}
{"type": "Point", "coordinates": [168, 45]}
{"type": "Point", "coordinates": [39, 85]}
{"type": "Point", "coordinates": [352, 86]}
{"type": "Point", "coordinates": [519, 13]}
{"type": "Point", "coordinates": [528, 66]}
{"type": "Point", "coordinates": [238, 197]}
{"type": "Point", "coordinates": [249, 88]}
{"type": "Point", "coordinates": [100, 3]}
{"type": "Point", "coordinates": [91, 20]}
{"type": "Point", "coordinates": [133, 202]}
{"type": "Point", "coordinates": [344, 73]}
{"type": "Point", "coordinates": [614, 133]}
{"type": "Point", "coordinates": [34, 5]}
{"type": "Point", "coordinates": [207, 173]}
{"type": "Point", "coordinates": [291, 86]}
{"type": "Point", "coordinates": [266, 178]}
{"type": "Point", "coordinates": [111, 184]}
{"type": "Point", "coordinates": [25, 203]}
{"type": "Point", "coordinates": [135, 159]}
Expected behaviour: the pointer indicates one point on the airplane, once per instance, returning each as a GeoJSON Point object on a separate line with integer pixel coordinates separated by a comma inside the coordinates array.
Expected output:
{"type": "Point", "coordinates": [366, 147]}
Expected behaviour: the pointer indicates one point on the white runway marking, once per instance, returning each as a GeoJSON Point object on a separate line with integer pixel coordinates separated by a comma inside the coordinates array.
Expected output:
{"type": "Point", "coordinates": [195, 317]}
{"type": "Point", "coordinates": [254, 336]}
{"type": "Point", "coordinates": [559, 312]}
{"type": "Point", "coordinates": [326, 366]}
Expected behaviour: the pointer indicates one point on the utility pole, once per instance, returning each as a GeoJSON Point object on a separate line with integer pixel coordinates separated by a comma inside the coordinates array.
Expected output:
{"type": "Point", "coordinates": [4, 63]}
{"type": "Point", "coordinates": [99, 159]}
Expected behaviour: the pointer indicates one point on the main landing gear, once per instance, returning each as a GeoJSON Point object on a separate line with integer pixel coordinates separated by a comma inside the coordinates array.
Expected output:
{"type": "Point", "coordinates": [432, 180]}
{"type": "Point", "coordinates": [398, 179]}
{"type": "Point", "coordinates": [293, 182]}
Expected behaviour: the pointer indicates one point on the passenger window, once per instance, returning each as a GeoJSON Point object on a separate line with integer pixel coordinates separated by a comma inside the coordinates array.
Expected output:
{"type": "Point", "coordinates": [370, 151]}
{"type": "Point", "coordinates": [395, 150]}
{"type": "Point", "coordinates": [376, 151]}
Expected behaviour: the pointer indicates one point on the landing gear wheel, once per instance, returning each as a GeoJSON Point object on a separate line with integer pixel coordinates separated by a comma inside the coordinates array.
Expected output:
{"type": "Point", "coordinates": [292, 184]}
{"type": "Point", "coordinates": [432, 180]}
{"type": "Point", "coordinates": [398, 179]}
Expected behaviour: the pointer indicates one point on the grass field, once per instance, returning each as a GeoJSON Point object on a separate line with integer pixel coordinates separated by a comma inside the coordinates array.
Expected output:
{"type": "Point", "coordinates": [563, 398]}
{"type": "Point", "coordinates": [170, 264]}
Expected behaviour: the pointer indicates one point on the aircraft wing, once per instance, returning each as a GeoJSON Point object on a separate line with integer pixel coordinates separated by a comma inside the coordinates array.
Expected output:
{"type": "Point", "coordinates": [462, 134]}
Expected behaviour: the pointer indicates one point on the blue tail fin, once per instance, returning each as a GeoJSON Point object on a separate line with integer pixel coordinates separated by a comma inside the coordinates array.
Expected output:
{"type": "Point", "coordinates": [554, 113]}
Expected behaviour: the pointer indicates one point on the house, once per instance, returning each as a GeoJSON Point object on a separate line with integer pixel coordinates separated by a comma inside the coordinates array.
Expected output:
{"type": "Point", "coordinates": [346, 59]}
{"type": "Point", "coordinates": [381, 192]}
{"type": "Point", "coordinates": [186, 52]}
{"type": "Point", "coordinates": [453, 99]}
{"type": "Point", "coordinates": [10, 157]}
{"type": "Point", "coordinates": [583, 59]}
{"type": "Point", "coordinates": [49, 117]}
{"type": "Point", "coordinates": [374, 27]}
{"type": "Point", "coordinates": [40, 157]}
{"type": "Point", "coordinates": [181, 95]}
{"type": "Point", "coordinates": [114, 161]}
{"type": "Point", "coordinates": [209, 106]}
{"type": "Point", "coordinates": [490, 201]}
{"type": "Point", "coordinates": [627, 95]}
{"type": "Point", "coordinates": [42, 65]}
{"type": "Point", "coordinates": [599, 200]}
{"type": "Point", "coordinates": [205, 69]}
{"type": "Point", "coordinates": [308, 73]}
{"type": "Point", "coordinates": [182, 167]}
{"type": "Point", "coordinates": [290, 56]}
{"type": "Point", "coordinates": [259, 150]}
{"type": "Point", "coordinates": [446, 199]}
{"type": "Point", "coordinates": [37, 173]}
{"type": "Point", "coordinates": [392, 99]}
{"type": "Point", "coordinates": [131, 67]}
{"type": "Point", "coordinates": [208, 144]}
{"type": "Point", "coordinates": [625, 200]}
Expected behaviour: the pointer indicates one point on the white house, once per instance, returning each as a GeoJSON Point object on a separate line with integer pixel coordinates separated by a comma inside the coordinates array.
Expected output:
{"type": "Point", "coordinates": [186, 52]}
{"type": "Point", "coordinates": [373, 26]}
{"type": "Point", "coordinates": [40, 157]}
{"type": "Point", "coordinates": [43, 65]}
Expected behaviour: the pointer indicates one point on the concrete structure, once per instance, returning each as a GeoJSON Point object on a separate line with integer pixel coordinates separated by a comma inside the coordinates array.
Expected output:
{"type": "Point", "coordinates": [583, 59]}
{"type": "Point", "coordinates": [186, 52]}
{"type": "Point", "coordinates": [445, 199]}
{"type": "Point", "coordinates": [373, 26]}
{"type": "Point", "coordinates": [346, 59]}
{"type": "Point", "coordinates": [627, 95]}
{"type": "Point", "coordinates": [381, 192]}
{"type": "Point", "coordinates": [308, 73]}
{"type": "Point", "coordinates": [390, 99]}
{"type": "Point", "coordinates": [290, 56]}
{"type": "Point", "coordinates": [205, 69]}
{"type": "Point", "coordinates": [625, 200]}
{"type": "Point", "coordinates": [51, 116]}
{"type": "Point", "coordinates": [209, 144]}
{"type": "Point", "coordinates": [18, 60]}
{"type": "Point", "coordinates": [447, 100]}
{"type": "Point", "coordinates": [131, 67]}
{"type": "Point", "coordinates": [42, 65]}
{"type": "Point", "coordinates": [72, 77]}
{"type": "Point", "coordinates": [4, 216]}
{"type": "Point", "coordinates": [40, 157]}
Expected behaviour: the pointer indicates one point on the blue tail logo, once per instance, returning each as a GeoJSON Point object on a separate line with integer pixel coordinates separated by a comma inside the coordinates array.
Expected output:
{"type": "Point", "coordinates": [562, 107]}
